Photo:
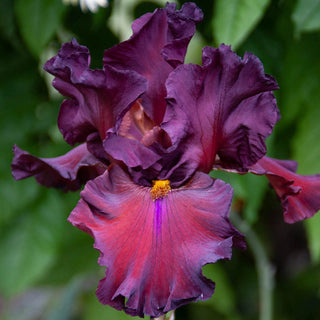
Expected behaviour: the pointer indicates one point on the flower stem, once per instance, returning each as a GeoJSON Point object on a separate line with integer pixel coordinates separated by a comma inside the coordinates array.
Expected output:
{"type": "Point", "coordinates": [263, 265]}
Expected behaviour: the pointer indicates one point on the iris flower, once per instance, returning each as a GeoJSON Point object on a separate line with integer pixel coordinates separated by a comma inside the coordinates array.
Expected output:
{"type": "Point", "coordinates": [148, 130]}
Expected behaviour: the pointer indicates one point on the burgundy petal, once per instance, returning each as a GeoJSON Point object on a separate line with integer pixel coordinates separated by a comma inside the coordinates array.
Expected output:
{"type": "Point", "coordinates": [154, 250]}
{"type": "Point", "coordinates": [131, 152]}
{"type": "Point", "coordinates": [229, 104]}
{"type": "Point", "coordinates": [98, 97]}
{"type": "Point", "coordinates": [158, 44]}
{"type": "Point", "coordinates": [149, 162]}
{"type": "Point", "coordinates": [300, 195]}
{"type": "Point", "coordinates": [67, 172]}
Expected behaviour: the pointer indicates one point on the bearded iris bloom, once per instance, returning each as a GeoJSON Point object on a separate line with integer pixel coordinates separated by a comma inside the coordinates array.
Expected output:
{"type": "Point", "coordinates": [148, 130]}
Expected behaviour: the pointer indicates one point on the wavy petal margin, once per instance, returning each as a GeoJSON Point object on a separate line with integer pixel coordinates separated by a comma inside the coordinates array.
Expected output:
{"type": "Point", "coordinates": [99, 98]}
{"type": "Point", "coordinates": [68, 172]}
{"type": "Point", "coordinates": [229, 103]}
{"type": "Point", "coordinates": [154, 250]}
{"type": "Point", "coordinates": [299, 195]}
{"type": "Point", "coordinates": [158, 44]}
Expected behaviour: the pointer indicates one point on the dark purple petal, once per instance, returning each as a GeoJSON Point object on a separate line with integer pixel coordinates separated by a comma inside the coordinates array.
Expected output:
{"type": "Point", "coordinates": [158, 44]}
{"type": "Point", "coordinates": [131, 152]}
{"type": "Point", "coordinates": [98, 97]}
{"type": "Point", "coordinates": [95, 147]}
{"type": "Point", "coordinates": [149, 162]}
{"type": "Point", "coordinates": [154, 250]}
{"type": "Point", "coordinates": [181, 28]}
{"type": "Point", "coordinates": [229, 104]}
{"type": "Point", "coordinates": [67, 172]}
{"type": "Point", "coordinates": [147, 150]}
{"type": "Point", "coordinates": [299, 195]}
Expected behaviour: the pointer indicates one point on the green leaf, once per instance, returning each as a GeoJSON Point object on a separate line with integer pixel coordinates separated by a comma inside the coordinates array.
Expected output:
{"type": "Point", "coordinates": [94, 310]}
{"type": "Point", "coordinates": [223, 299]}
{"type": "Point", "coordinates": [26, 257]}
{"type": "Point", "coordinates": [64, 308]}
{"type": "Point", "coordinates": [300, 63]}
{"type": "Point", "coordinates": [30, 244]}
{"type": "Point", "coordinates": [312, 227]}
{"type": "Point", "coordinates": [233, 20]}
{"type": "Point", "coordinates": [306, 16]}
{"type": "Point", "coordinates": [194, 52]}
{"type": "Point", "coordinates": [38, 21]}
{"type": "Point", "coordinates": [307, 153]}
{"type": "Point", "coordinates": [7, 25]}
{"type": "Point", "coordinates": [306, 141]}
{"type": "Point", "coordinates": [9, 189]}
{"type": "Point", "coordinates": [249, 190]}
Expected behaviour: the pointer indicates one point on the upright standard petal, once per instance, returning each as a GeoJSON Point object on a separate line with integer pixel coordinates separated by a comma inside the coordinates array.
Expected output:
{"type": "Point", "coordinates": [99, 98]}
{"type": "Point", "coordinates": [158, 44]}
{"type": "Point", "coordinates": [229, 103]}
{"type": "Point", "coordinates": [155, 244]}
{"type": "Point", "coordinates": [67, 172]}
{"type": "Point", "coordinates": [299, 195]}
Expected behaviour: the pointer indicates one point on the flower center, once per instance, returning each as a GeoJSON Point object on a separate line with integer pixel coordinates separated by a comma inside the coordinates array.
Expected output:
{"type": "Point", "coordinates": [160, 189]}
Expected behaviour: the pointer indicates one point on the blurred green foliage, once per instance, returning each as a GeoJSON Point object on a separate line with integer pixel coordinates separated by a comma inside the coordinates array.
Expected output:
{"type": "Point", "coordinates": [48, 269]}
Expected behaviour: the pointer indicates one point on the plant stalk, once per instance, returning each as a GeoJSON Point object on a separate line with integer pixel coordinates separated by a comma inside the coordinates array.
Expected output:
{"type": "Point", "coordinates": [264, 268]}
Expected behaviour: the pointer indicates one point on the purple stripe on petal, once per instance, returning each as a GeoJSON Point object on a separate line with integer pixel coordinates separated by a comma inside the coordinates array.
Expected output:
{"type": "Point", "coordinates": [154, 251]}
{"type": "Point", "coordinates": [158, 215]}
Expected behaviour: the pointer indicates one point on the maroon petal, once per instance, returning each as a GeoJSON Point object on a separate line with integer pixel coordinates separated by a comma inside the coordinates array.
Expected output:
{"type": "Point", "coordinates": [300, 195]}
{"type": "Point", "coordinates": [154, 250]}
{"type": "Point", "coordinates": [158, 44]}
{"type": "Point", "coordinates": [229, 104]}
{"type": "Point", "coordinates": [98, 97]}
{"type": "Point", "coordinates": [131, 152]}
{"type": "Point", "coordinates": [67, 172]}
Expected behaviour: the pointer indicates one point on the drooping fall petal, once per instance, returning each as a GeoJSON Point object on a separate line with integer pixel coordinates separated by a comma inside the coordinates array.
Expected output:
{"type": "Point", "coordinates": [154, 250]}
{"type": "Point", "coordinates": [67, 172]}
{"type": "Point", "coordinates": [299, 195]}
{"type": "Point", "coordinates": [158, 44]}
{"type": "Point", "coordinates": [229, 104]}
{"type": "Point", "coordinates": [99, 98]}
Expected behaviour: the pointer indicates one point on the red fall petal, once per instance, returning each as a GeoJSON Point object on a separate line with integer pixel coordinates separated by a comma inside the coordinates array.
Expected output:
{"type": "Point", "coordinates": [154, 250]}
{"type": "Point", "coordinates": [299, 195]}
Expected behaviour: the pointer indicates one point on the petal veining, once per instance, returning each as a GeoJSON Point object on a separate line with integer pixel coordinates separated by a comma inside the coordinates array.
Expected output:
{"type": "Point", "coordinates": [99, 98]}
{"type": "Point", "coordinates": [299, 194]}
{"type": "Point", "coordinates": [229, 103]}
{"type": "Point", "coordinates": [67, 172]}
{"type": "Point", "coordinates": [158, 44]}
{"type": "Point", "coordinates": [154, 250]}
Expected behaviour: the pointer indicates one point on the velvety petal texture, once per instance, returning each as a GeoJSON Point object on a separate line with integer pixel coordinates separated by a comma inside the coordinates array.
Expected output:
{"type": "Point", "coordinates": [299, 195]}
{"type": "Point", "coordinates": [151, 128]}
{"type": "Point", "coordinates": [67, 172]}
{"type": "Point", "coordinates": [147, 150]}
{"type": "Point", "coordinates": [154, 250]}
{"type": "Point", "coordinates": [99, 98]}
{"type": "Point", "coordinates": [131, 152]}
{"type": "Point", "coordinates": [158, 44]}
{"type": "Point", "coordinates": [230, 106]}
